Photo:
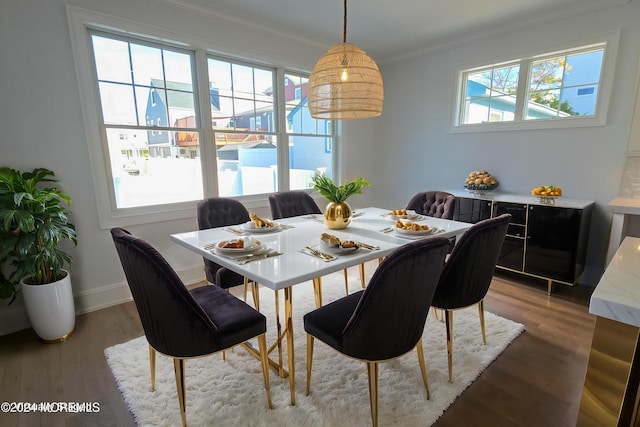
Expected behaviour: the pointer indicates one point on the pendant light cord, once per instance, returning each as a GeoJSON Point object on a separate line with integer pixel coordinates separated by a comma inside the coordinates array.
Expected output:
{"type": "Point", "coordinates": [344, 33]}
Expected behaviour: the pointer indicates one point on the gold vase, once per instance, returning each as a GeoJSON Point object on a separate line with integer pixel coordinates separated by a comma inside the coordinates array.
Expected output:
{"type": "Point", "coordinates": [337, 215]}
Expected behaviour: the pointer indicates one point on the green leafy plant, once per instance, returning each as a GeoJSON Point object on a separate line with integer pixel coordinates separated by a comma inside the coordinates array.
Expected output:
{"type": "Point", "coordinates": [33, 224]}
{"type": "Point", "coordinates": [338, 193]}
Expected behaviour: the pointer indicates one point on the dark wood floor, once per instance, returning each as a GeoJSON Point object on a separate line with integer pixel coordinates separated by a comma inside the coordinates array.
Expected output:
{"type": "Point", "coordinates": [536, 381]}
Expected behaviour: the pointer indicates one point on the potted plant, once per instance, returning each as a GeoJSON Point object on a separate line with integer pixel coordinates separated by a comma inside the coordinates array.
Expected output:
{"type": "Point", "coordinates": [338, 213]}
{"type": "Point", "coordinates": [33, 224]}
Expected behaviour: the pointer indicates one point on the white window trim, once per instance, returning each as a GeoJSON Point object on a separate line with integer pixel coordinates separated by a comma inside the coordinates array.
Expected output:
{"type": "Point", "coordinates": [604, 93]}
{"type": "Point", "coordinates": [80, 20]}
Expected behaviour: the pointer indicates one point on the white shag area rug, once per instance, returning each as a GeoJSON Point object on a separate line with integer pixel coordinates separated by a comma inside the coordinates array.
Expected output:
{"type": "Point", "coordinates": [231, 392]}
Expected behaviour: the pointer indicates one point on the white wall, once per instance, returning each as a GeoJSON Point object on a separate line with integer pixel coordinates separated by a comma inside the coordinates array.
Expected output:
{"type": "Point", "coordinates": [414, 150]}
{"type": "Point", "coordinates": [407, 149]}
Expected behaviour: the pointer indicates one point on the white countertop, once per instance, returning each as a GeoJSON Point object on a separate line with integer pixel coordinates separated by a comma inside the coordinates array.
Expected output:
{"type": "Point", "coordinates": [617, 296]}
{"type": "Point", "coordinates": [625, 205]}
{"type": "Point", "coordinates": [562, 202]}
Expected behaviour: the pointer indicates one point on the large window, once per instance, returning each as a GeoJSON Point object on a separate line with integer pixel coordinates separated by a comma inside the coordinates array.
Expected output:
{"type": "Point", "coordinates": [551, 89]}
{"type": "Point", "coordinates": [167, 140]}
{"type": "Point", "coordinates": [148, 104]}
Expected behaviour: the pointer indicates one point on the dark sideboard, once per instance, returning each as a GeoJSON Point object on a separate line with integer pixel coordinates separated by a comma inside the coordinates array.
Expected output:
{"type": "Point", "coordinates": [546, 240]}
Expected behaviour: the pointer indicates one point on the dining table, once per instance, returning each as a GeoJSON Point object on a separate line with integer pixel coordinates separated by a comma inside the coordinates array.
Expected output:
{"type": "Point", "coordinates": [292, 252]}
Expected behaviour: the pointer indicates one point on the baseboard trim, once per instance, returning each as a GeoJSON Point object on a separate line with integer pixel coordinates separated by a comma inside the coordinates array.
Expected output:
{"type": "Point", "coordinates": [14, 317]}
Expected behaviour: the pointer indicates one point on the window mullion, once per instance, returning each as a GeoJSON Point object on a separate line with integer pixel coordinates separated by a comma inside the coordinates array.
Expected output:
{"type": "Point", "coordinates": [523, 87]}
{"type": "Point", "coordinates": [283, 137]}
{"type": "Point", "coordinates": [208, 160]}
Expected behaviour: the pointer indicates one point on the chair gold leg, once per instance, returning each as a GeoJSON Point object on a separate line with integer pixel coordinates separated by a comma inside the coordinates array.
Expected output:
{"type": "Point", "coordinates": [246, 286]}
{"type": "Point", "coordinates": [423, 368]}
{"type": "Point", "coordinates": [309, 361]}
{"type": "Point", "coordinates": [362, 282]}
{"type": "Point", "coordinates": [262, 344]}
{"type": "Point", "coordinates": [448, 320]}
{"type": "Point", "coordinates": [481, 313]}
{"type": "Point", "coordinates": [372, 371]}
{"type": "Point", "coordinates": [317, 290]}
{"type": "Point", "coordinates": [346, 282]}
{"type": "Point", "coordinates": [437, 313]}
{"type": "Point", "coordinates": [178, 366]}
{"type": "Point", "coordinates": [152, 367]}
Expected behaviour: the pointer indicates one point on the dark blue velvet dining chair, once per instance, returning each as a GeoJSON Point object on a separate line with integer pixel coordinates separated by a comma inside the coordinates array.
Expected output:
{"type": "Point", "coordinates": [386, 320]}
{"type": "Point", "coordinates": [437, 204]}
{"type": "Point", "coordinates": [467, 275]}
{"type": "Point", "coordinates": [221, 212]}
{"type": "Point", "coordinates": [286, 204]}
{"type": "Point", "coordinates": [182, 323]}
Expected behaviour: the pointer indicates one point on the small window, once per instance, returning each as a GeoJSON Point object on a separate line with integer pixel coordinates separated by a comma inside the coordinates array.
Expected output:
{"type": "Point", "coordinates": [546, 88]}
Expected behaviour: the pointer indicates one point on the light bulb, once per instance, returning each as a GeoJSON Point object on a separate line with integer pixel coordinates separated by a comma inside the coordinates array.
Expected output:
{"type": "Point", "coordinates": [344, 76]}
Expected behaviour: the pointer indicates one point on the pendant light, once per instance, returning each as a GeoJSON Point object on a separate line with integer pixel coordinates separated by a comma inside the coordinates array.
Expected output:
{"type": "Point", "coordinates": [345, 83]}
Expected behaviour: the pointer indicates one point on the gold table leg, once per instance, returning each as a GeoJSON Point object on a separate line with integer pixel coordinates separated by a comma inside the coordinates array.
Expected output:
{"type": "Point", "coordinates": [610, 393]}
{"type": "Point", "coordinates": [288, 332]}
{"type": "Point", "coordinates": [288, 315]}
{"type": "Point", "coordinates": [276, 365]}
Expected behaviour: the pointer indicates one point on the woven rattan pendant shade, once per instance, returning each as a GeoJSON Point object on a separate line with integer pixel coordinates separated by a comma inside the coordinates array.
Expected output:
{"type": "Point", "coordinates": [345, 83]}
{"type": "Point", "coordinates": [358, 96]}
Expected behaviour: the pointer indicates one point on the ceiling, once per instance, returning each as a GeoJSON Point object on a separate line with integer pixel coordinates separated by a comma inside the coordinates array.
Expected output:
{"type": "Point", "coordinates": [391, 29]}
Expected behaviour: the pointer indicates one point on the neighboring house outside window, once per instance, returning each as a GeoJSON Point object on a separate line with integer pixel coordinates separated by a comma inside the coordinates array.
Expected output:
{"type": "Point", "coordinates": [155, 131]}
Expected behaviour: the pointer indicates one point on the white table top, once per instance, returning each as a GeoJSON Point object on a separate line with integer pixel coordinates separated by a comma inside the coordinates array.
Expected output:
{"type": "Point", "coordinates": [617, 296]}
{"type": "Point", "coordinates": [293, 266]}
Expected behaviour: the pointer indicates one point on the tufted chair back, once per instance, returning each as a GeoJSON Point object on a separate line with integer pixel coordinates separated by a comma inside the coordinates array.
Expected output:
{"type": "Point", "coordinates": [220, 212]}
{"type": "Point", "coordinates": [438, 204]}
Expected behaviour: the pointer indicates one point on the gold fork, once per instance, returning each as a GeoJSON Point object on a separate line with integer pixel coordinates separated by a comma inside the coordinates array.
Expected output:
{"type": "Point", "coordinates": [319, 254]}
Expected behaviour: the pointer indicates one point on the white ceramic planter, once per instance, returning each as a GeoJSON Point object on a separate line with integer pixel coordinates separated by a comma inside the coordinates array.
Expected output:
{"type": "Point", "coordinates": [50, 308]}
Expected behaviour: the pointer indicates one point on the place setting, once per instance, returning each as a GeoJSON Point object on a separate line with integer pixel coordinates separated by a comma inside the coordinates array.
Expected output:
{"type": "Point", "coordinates": [411, 230]}
{"type": "Point", "coordinates": [332, 246]}
{"type": "Point", "coordinates": [242, 250]}
{"type": "Point", "coordinates": [258, 225]}
{"type": "Point", "coordinates": [400, 214]}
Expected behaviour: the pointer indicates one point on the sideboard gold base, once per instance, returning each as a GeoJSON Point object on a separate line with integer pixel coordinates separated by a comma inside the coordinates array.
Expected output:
{"type": "Point", "coordinates": [610, 393]}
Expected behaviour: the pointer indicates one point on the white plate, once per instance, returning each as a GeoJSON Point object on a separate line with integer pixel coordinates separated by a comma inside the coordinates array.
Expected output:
{"type": "Point", "coordinates": [401, 231]}
{"type": "Point", "coordinates": [411, 215]}
{"type": "Point", "coordinates": [250, 246]}
{"type": "Point", "coordinates": [251, 228]}
{"type": "Point", "coordinates": [339, 250]}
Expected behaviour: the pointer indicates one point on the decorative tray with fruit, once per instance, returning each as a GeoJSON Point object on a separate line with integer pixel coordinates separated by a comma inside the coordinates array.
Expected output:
{"type": "Point", "coordinates": [547, 194]}
{"type": "Point", "coordinates": [478, 182]}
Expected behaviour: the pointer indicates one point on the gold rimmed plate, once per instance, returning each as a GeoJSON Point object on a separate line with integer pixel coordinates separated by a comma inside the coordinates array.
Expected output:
{"type": "Point", "coordinates": [415, 233]}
